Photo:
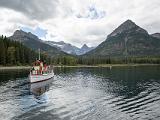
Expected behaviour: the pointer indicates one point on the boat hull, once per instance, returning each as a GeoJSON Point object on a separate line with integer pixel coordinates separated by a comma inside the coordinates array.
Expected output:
{"type": "Point", "coordinates": [39, 78]}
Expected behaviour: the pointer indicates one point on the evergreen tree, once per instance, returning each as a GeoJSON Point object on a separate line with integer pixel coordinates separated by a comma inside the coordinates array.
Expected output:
{"type": "Point", "coordinates": [11, 55]}
{"type": "Point", "coordinates": [2, 53]}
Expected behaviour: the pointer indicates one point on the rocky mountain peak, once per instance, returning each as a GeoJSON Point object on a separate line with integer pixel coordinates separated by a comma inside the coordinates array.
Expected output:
{"type": "Point", "coordinates": [127, 26]}
{"type": "Point", "coordinates": [129, 23]}
{"type": "Point", "coordinates": [84, 47]}
{"type": "Point", "coordinates": [22, 34]}
{"type": "Point", "coordinates": [19, 32]}
{"type": "Point", "coordinates": [128, 40]}
{"type": "Point", "coordinates": [32, 41]}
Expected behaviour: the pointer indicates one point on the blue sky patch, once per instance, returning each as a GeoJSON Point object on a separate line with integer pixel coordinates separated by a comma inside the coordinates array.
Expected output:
{"type": "Point", "coordinates": [38, 31]}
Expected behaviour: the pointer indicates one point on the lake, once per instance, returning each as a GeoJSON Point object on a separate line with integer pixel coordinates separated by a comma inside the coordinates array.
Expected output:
{"type": "Point", "coordinates": [119, 93]}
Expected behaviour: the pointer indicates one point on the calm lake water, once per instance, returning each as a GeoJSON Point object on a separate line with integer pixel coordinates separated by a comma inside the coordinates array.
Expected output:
{"type": "Point", "coordinates": [120, 93]}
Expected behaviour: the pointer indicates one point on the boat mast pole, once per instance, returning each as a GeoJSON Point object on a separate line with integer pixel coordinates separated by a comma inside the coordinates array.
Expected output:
{"type": "Point", "coordinates": [39, 54]}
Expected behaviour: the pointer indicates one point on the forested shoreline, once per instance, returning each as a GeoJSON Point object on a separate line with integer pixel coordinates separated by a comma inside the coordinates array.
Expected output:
{"type": "Point", "coordinates": [13, 53]}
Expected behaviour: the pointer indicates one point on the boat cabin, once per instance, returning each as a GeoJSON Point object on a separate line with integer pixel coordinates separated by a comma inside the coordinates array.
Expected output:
{"type": "Point", "coordinates": [40, 68]}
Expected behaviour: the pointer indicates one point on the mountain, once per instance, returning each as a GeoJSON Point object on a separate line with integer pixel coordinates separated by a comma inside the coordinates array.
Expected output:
{"type": "Point", "coordinates": [32, 41]}
{"type": "Point", "coordinates": [156, 35]}
{"type": "Point", "coordinates": [128, 40]}
{"type": "Point", "coordinates": [68, 48]}
{"type": "Point", "coordinates": [84, 49]}
{"type": "Point", "coordinates": [22, 36]}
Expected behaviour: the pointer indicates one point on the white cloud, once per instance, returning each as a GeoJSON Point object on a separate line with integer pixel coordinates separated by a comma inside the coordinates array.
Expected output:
{"type": "Point", "coordinates": [78, 21]}
{"type": "Point", "coordinates": [11, 20]}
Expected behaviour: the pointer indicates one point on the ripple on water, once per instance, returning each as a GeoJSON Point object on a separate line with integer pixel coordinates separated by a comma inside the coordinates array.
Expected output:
{"type": "Point", "coordinates": [85, 94]}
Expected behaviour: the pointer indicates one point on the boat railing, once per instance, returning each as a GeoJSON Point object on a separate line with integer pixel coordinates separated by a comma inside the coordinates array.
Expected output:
{"type": "Point", "coordinates": [40, 72]}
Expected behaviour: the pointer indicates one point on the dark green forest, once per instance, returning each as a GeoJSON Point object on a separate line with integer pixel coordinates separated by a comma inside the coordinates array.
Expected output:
{"type": "Point", "coordinates": [121, 60]}
{"type": "Point", "coordinates": [15, 53]}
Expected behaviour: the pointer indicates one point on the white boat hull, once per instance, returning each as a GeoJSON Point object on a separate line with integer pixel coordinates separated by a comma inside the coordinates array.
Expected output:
{"type": "Point", "coordinates": [39, 78]}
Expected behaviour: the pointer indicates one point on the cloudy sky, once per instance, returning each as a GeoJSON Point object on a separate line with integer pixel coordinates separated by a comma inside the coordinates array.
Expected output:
{"type": "Point", "coordinates": [76, 21]}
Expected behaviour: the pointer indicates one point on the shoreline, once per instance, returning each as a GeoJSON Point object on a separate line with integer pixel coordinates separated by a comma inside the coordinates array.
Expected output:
{"type": "Point", "coordinates": [78, 66]}
{"type": "Point", "coordinates": [110, 65]}
{"type": "Point", "coordinates": [15, 67]}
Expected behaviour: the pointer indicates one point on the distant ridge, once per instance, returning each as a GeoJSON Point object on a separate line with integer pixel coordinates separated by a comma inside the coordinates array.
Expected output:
{"type": "Point", "coordinates": [156, 35]}
{"type": "Point", "coordinates": [68, 48]}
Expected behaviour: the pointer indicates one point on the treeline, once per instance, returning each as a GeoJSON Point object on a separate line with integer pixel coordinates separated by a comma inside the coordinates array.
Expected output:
{"type": "Point", "coordinates": [65, 60]}
{"type": "Point", "coordinates": [120, 60]}
{"type": "Point", "coordinates": [15, 53]}
{"type": "Point", "coordinates": [102, 60]}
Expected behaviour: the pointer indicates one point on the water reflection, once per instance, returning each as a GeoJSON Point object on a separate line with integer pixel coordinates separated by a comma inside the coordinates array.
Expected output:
{"type": "Point", "coordinates": [12, 75]}
{"type": "Point", "coordinates": [119, 81]}
{"type": "Point", "coordinates": [39, 90]}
